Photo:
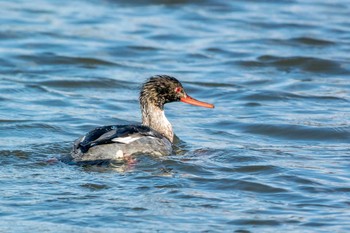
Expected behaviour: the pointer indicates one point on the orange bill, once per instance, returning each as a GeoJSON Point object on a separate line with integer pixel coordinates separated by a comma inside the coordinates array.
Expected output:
{"type": "Point", "coordinates": [189, 100]}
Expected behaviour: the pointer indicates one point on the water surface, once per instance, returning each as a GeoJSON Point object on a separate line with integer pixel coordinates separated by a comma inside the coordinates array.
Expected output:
{"type": "Point", "coordinates": [272, 156]}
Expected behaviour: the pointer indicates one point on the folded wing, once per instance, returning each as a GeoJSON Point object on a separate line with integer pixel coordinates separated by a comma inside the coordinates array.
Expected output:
{"type": "Point", "coordinates": [124, 134]}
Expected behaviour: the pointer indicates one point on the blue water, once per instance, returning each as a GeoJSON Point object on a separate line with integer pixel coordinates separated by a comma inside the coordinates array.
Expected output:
{"type": "Point", "coordinates": [272, 156]}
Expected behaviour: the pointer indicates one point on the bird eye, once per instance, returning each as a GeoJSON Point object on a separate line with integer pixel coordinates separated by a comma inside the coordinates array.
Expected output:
{"type": "Point", "coordinates": [178, 89]}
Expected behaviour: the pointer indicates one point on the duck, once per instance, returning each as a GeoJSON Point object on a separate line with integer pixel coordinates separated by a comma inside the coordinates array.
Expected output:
{"type": "Point", "coordinates": [153, 137]}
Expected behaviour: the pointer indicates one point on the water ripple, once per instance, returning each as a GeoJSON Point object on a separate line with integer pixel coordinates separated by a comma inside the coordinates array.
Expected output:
{"type": "Point", "coordinates": [307, 64]}
{"type": "Point", "coordinates": [272, 156]}
{"type": "Point", "coordinates": [279, 95]}
{"type": "Point", "coordinates": [312, 41]}
{"type": "Point", "coordinates": [54, 59]}
{"type": "Point", "coordinates": [90, 83]}
{"type": "Point", "coordinates": [299, 132]}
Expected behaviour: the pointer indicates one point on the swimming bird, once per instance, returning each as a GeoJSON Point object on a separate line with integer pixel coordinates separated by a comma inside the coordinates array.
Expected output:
{"type": "Point", "coordinates": [153, 137]}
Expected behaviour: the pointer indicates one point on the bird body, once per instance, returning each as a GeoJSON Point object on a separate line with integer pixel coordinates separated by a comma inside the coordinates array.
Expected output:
{"type": "Point", "coordinates": [153, 137]}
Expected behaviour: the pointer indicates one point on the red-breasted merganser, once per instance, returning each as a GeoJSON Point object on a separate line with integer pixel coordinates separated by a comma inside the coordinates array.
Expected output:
{"type": "Point", "coordinates": [154, 137]}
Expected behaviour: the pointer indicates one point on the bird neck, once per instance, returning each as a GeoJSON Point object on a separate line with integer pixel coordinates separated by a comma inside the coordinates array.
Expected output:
{"type": "Point", "coordinates": [154, 117]}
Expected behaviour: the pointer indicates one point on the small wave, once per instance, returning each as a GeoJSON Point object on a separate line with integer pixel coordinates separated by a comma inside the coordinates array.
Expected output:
{"type": "Point", "coordinates": [87, 83]}
{"type": "Point", "coordinates": [280, 95]}
{"type": "Point", "coordinates": [255, 222]}
{"type": "Point", "coordinates": [3, 120]}
{"type": "Point", "coordinates": [268, 96]}
{"type": "Point", "coordinates": [310, 64]}
{"type": "Point", "coordinates": [265, 169]}
{"type": "Point", "coordinates": [299, 132]}
{"type": "Point", "coordinates": [301, 42]}
{"type": "Point", "coordinates": [232, 184]}
{"type": "Point", "coordinates": [6, 63]}
{"type": "Point", "coordinates": [311, 41]}
{"type": "Point", "coordinates": [142, 48]}
{"type": "Point", "coordinates": [53, 59]}
{"type": "Point", "coordinates": [213, 84]}
{"type": "Point", "coordinates": [307, 64]}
